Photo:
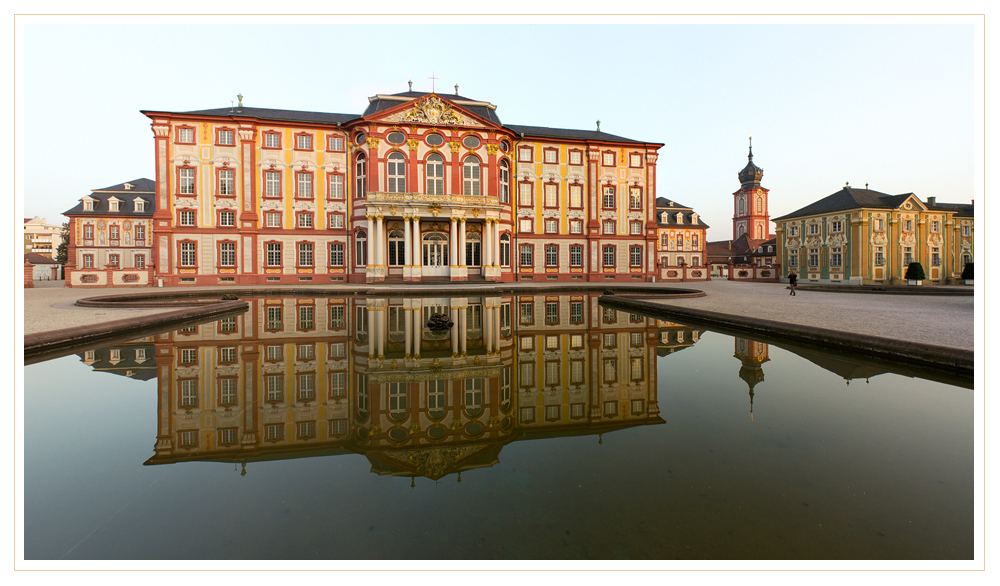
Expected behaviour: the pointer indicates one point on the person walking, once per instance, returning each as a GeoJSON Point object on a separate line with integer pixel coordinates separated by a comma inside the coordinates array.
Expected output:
{"type": "Point", "coordinates": [793, 280]}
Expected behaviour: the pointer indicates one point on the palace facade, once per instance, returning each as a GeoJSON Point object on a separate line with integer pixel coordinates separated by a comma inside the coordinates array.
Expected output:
{"type": "Point", "coordinates": [420, 186]}
{"type": "Point", "coordinates": [862, 236]}
{"type": "Point", "coordinates": [110, 237]}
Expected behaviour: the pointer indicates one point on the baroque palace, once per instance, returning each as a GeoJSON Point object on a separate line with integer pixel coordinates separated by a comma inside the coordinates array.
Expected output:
{"type": "Point", "coordinates": [420, 186]}
{"type": "Point", "coordinates": [862, 236]}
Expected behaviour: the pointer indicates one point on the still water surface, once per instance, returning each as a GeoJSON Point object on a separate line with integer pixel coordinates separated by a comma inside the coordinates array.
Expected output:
{"type": "Point", "coordinates": [537, 427]}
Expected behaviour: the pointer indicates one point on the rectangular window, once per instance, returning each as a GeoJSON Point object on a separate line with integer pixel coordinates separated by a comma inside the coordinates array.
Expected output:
{"type": "Point", "coordinates": [551, 226]}
{"type": "Point", "coordinates": [551, 255]}
{"type": "Point", "coordinates": [813, 228]}
{"type": "Point", "coordinates": [307, 386]}
{"type": "Point", "coordinates": [576, 226]}
{"type": "Point", "coordinates": [525, 154]}
{"type": "Point", "coordinates": [635, 227]}
{"type": "Point", "coordinates": [336, 221]}
{"type": "Point", "coordinates": [635, 256]}
{"type": "Point", "coordinates": [305, 220]}
{"type": "Point", "coordinates": [907, 256]}
{"type": "Point", "coordinates": [576, 255]}
{"type": "Point", "coordinates": [305, 254]}
{"type": "Point", "coordinates": [527, 344]}
{"type": "Point", "coordinates": [524, 197]}
{"type": "Point", "coordinates": [275, 387]}
{"type": "Point", "coordinates": [879, 256]}
{"type": "Point", "coordinates": [274, 353]}
{"type": "Point", "coordinates": [140, 261]}
{"type": "Point", "coordinates": [272, 140]}
{"type": "Point", "coordinates": [813, 257]}
{"type": "Point", "coordinates": [551, 156]}
{"type": "Point", "coordinates": [524, 226]}
{"type": "Point", "coordinates": [635, 198]}
{"type": "Point", "coordinates": [227, 391]}
{"type": "Point", "coordinates": [609, 256]}
{"type": "Point", "coordinates": [115, 232]}
{"type": "Point", "coordinates": [836, 226]}
{"type": "Point", "coordinates": [793, 230]}
{"type": "Point", "coordinates": [608, 159]}
{"type": "Point", "coordinates": [274, 431]}
{"type": "Point", "coordinates": [88, 232]}
{"type": "Point", "coordinates": [227, 138]}
{"type": "Point", "coordinates": [793, 258]}
{"type": "Point", "coordinates": [336, 187]}
{"type": "Point", "coordinates": [186, 218]}
{"type": "Point", "coordinates": [188, 258]}
{"type": "Point", "coordinates": [527, 414]}
{"type": "Point", "coordinates": [608, 198]}
{"type": "Point", "coordinates": [552, 379]}
{"type": "Point", "coordinates": [909, 225]}
{"type": "Point", "coordinates": [189, 393]}
{"type": "Point", "coordinates": [304, 142]}
{"type": "Point", "coordinates": [88, 261]}
{"type": "Point", "coordinates": [227, 254]}
{"type": "Point", "coordinates": [878, 225]}
{"type": "Point", "coordinates": [272, 219]}
{"type": "Point", "coordinates": [635, 369]}
{"type": "Point", "coordinates": [185, 135]}
{"type": "Point", "coordinates": [337, 318]}
{"type": "Point", "coordinates": [576, 157]}
{"type": "Point", "coordinates": [338, 382]}
{"type": "Point", "coordinates": [551, 195]}
{"type": "Point", "coordinates": [337, 254]}
{"type": "Point", "coordinates": [227, 219]}
{"type": "Point", "coordinates": [635, 160]}
{"type": "Point", "coordinates": [305, 185]}
{"type": "Point", "coordinates": [836, 257]}
{"type": "Point", "coordinates": [272, 184]}
{"type": "Point", "coordinates": [575, 195]}
{"type": "Point", "coordinates": [609, 227]}
{"type": "Point", "coordinates": [186, 178]}
{"type": "Point", "coordinates": [935, 226]}
{"type": "Point", "coordinates": [935, 257]}
{"type": "Point", "coordinates": [527, 314]}
{"type": "Point", "coordinates": [335, 143]}
{"type": "Point", "coordinates": [189, 355]}
{"type": "Point", "coordinates": [610, 370]}
{"type": "Point", "coordinates": [273, 254]}
{"type": "Point", "coordinates": [227, 355]}
{"type": "Point", "coordinates": [140, 232]}
{"type": "Point", "coordinates": [526, 254]}
{"type": "Point", "coordinates": [551, 317]}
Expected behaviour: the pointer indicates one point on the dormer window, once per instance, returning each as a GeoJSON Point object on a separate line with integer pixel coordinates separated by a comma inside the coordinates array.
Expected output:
{"type": "Point", "coordinates": [663, 218]}
{"type": "Point", "coordinates": [128, 186]}
{"type": "Point", "coordinates": [88, 205]}
{"type": "Point", "coordinates": [140, 204]}
{"type": "Point", "coordinates": [680, 218]}
{"type": "Point", "coordinates": [113, 204]}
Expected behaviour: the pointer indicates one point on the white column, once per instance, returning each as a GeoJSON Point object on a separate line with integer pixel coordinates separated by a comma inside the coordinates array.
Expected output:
{"type": "Point", "coordinates": [454, 332]}
{"type": "Point", "coordinates": [380, 243]}
{"type": "Point", "coordinates": [463, 333]}
{"type": "Point", "coordinates": [453, 239]}
{"type": "Point", "coordinates": [418, 244]}
{"type": "Point", "coordinates": [462, 261]}
{"type": "Point", "coordinates": [408, 248]}
{"type": "Point", "coordinates": [487, 244]}
{"type": "Point", "coordinates": [487, 327]}
{"type": "Point", "coordinates": [408, 328]}
{"type": "Point", "coordinates": [370, 245]}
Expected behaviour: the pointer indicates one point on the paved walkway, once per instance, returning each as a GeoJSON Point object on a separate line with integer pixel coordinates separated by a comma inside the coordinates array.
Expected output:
{"type": "Point", "coordinates": [939, 320]}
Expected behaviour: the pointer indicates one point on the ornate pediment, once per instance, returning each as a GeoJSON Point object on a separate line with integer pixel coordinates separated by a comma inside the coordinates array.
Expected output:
{"type": "Point", "coordinates": [435, 462]}
{"type": "Point", "coordinates": [433, 110]}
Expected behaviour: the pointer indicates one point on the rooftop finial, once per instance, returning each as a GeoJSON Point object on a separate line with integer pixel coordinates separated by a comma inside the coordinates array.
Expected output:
{"type": "Point", "coordinates": [411, 84]}
{"type": "Point", "coordinates": [750, 156]}
{"type": "Point", "coordinates": [433, 79]}
{"type": "Point", "coordinates": [240, 98]}
{"type": "Point", "coordinates": [456, 89]}
{"type": "Point", "coordinates": [598, 126]}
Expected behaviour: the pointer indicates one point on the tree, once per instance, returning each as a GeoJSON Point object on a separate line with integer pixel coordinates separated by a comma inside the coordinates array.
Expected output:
{"type": "Point", "coordinates": [915, 272]}
{"type": "Point", "coordinates": [62, 253]}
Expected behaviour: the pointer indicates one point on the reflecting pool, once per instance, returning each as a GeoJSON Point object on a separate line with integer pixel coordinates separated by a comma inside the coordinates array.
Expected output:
{"type": "Point", "coordinates": [536, 427]}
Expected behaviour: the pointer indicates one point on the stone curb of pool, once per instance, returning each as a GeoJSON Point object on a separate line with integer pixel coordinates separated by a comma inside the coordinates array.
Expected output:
{"type": "Point", "coordinates": [204, 304]}
{"type": "Point", "coordinates": [955, 291]}
{"type": "Point", "coordinates": [958, 360]}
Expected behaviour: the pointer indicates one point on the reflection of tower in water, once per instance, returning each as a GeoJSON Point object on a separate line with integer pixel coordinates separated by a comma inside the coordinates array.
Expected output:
{"type": "Point", "coordinates": [752, 355]}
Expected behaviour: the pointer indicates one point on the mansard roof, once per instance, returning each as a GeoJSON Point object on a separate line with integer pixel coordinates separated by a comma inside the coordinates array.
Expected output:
{"type": "Point", "coordinates": [270, 114]}
{"type": "Point", "coordinates": [672, 208]}
{"type": "Point", "coordinates": [484, 110]}
{"type": "Point", "coordinates": [141, 188]}
{"type": "Point", "coordinates": [849, 198]}
{"type": "Point", "coordinates": [569, 134]}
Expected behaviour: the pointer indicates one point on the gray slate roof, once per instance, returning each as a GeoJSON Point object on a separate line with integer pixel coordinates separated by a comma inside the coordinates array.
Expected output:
{"type": "Point", "coordinates": [486, 113]}
{"type": "Point", "coordinates": [273, 114]}
{"type": "Point", "coordinates": [687, 219]}
{"type": "Point", "coordinates": [848, 198]}
{"type": "Point", "coordinates": [568, 134]}
{"type": "Point", "coordinates": [144, 188]}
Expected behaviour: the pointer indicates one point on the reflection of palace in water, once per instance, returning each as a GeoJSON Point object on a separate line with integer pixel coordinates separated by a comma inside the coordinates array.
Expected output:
{"type": "Point", "coordinates": [301, 377]}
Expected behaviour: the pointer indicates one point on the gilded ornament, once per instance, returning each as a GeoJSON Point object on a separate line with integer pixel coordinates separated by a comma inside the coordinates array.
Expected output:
{"type": "Point", "coordinates": [413, 143]}
{"type": "Point", "coordinates": [455, 146]}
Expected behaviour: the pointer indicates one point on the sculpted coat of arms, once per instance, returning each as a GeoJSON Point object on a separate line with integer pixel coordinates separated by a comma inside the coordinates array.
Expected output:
{"type": "Point", "coordinates": [432, 110]}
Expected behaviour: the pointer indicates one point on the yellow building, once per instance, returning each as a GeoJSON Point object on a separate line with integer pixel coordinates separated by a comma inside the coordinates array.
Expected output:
{"type": "Point", "coordinates": [680, 243]}
{"type": "Point", "coordinates": [861, 236]}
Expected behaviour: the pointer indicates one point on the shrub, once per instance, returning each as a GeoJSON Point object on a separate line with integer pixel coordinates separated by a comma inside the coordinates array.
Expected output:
{"type": "Point", "coordinates": [967, 271]}
{"type": "Point", "coordinates": [915, 272]}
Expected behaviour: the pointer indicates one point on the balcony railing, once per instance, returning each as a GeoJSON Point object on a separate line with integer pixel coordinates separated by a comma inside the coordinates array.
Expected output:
{"type": "Point", "coordinates": [423, 198]}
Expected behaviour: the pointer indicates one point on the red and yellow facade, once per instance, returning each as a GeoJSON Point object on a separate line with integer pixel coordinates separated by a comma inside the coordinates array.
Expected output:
{"type": "Point", "coordinates": [419, 187]}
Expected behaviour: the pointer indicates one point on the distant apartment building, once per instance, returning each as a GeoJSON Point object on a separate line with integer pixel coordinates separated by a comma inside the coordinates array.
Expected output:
{"type": "Point", "coordinates": [42, 238]}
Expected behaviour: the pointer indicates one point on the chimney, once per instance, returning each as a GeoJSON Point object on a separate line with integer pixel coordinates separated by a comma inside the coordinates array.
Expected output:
{"type": "Point", "coordinates": [931, 200]}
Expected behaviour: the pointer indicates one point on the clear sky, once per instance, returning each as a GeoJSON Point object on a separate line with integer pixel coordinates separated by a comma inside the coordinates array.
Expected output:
{"type": "Point", "coordinates": [891, 105]}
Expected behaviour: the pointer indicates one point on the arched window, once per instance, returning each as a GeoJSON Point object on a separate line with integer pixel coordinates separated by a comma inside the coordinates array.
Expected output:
{"type": "Point", "coordinates": [470, 175]}
{"type": "Point", "coordinates": [760, 205]}
{"type": "Point", "coordinates": [680, 242]}
{"type": "Point", "coordinates": [741, 207]}
{"type": "Point", "coordinates": [361, 248]}
{"type": "Point", "coordinates": [504, 182]}
{"type": "Point", "coordinates": [742, 230]}
{"type": "Point", "coordinates": [397, 248]}
{"type": "Point", "coordinates": [395, 173]}
{"type": "Point", "coordinates": [760, 231]}
{"type": "Point", "coordinates": [360, 184]}
{"type": "Point", "coordinates": [473, 249]}
{"type": "Point", "coordinates": [398, 401]}
{"type": "Point", "coordinates": [505, 250]}
{"type": "Point", "coordinates": [435, 174]}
